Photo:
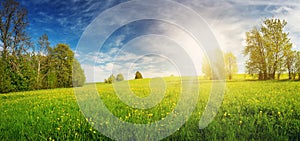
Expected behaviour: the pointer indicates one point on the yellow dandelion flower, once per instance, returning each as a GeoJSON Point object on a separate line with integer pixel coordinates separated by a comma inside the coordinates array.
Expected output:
{"type": "Point", "coordinates": [150, 115]}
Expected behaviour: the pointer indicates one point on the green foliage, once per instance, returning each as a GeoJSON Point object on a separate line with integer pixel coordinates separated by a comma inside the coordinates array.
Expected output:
{"type": "Point", "coordinates": [14, 44]}
{"type": "Point", "coordinates": [5, 76]}
{"type": "Point", "coordinates": [43, 67]}
{"type": "Point", "coordinates": [110, 79]}
{"type": "Point", "coordinates": [138, 75]}
{"type": "Point", "coordinates": [230, 65]}
{"type": "Point", "coordinates": [206, 69]}
{"type": "Point", "coordinates": [41, 57]}
{"type": "Point", "coordinates": [297, 64]}
{"type": "Point", "coordinates": [78, 74]}
{"type": "Point", "coordinates": [120, 77]}
{"type": "Point", "coordinates": [63, 57]}
{"type": "Point", "coordinates": [268, 49]}
{"type": "Point", "coordinates": [54, 69]}
{"type": "Point", "coordinates": [251, 110]}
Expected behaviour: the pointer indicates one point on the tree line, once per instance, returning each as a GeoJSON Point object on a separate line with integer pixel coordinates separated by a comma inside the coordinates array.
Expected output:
{"type": "Point", "coordinates": [120, 77]}
{"type": "Point", "coordinates": [26, 66]}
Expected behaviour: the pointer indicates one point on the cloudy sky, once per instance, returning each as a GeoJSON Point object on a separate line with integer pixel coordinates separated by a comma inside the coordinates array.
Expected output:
{"type": "Point", "coordinates": [156, 38]}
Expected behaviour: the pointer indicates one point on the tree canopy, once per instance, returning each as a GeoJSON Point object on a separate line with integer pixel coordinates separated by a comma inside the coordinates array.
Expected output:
{"type": "Point", "coordinates": [120, 77]}
{"type": "Point", "coordinates": [268, 49]}
{"type": "Point", "coordinates": [138, 75]}
{"type": "Point", "coordinates": [230, 65]}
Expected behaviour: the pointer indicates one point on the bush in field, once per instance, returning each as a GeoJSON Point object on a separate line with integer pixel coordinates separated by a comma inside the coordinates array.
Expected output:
{"type": "Point", "coordinates": [120, 77]}
{"type": "Point", "coordinates": [138, 75]}
{"type": "Point", "coordinates": [110, 79]}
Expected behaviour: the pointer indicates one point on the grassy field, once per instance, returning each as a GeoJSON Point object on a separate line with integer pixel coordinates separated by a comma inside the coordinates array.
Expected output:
{"type": "Point", "coordinates": [251, 110]}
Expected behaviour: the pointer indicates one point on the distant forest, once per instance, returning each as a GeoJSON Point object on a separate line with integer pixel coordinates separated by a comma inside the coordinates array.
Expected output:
{"type": "Point", "coordinates": [26, 65]}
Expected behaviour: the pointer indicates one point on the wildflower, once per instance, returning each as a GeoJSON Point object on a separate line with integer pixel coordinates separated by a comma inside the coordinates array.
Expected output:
{"type": "Point", "coordinates": [150, 115]}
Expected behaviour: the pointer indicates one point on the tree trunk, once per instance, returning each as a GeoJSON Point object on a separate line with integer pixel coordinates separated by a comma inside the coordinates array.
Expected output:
{"type": "Point", "coordinates": [273, 75]}
{"type": "Point", "coordinates": [38, 74]}
{"type": "Point", "coordinates": [265, 75]}
{"type": "Point", "coordinates": [260, 76]}
{"type": "Point", "coordinates": [294, 76]}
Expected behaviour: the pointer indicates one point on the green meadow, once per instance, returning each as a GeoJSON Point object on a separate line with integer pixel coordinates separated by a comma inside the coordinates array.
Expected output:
{"type": "Point", "coordinates": [250, 110]}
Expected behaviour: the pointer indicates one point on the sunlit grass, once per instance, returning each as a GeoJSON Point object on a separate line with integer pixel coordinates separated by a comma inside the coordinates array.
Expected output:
{"type": "Point", "coordinates": [250, 110]}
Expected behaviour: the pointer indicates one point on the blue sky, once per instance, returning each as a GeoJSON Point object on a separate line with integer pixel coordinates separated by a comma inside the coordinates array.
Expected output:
{"type": "Point", "coordinates": [144, 44]}
{"type": "Point", "coordinates": [63, 20]}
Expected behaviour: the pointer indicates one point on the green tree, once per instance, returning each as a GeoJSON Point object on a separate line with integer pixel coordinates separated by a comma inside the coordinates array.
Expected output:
{"type": "Point", "coordinates": [63, 57]}
{"type": "Point", "coordinates": [111, 79]}
{"type": "Point", "coordinates": [267, 49]}
{"type": "Point", "coordinates": [15, 44]}
{"type": "Point", "coordinates": [78, 74]}
{"type": "Point", "coordinates": [297, 64]}
{"type": "Point", "coordinates": [138, 75]}
{"type": "Point", "coordinates": [41, 55]}
{"type": "Point", "coordinates": [230, 65]}
{"type": "Point", "coordinates": [120, 77]}
{"type": "Point", "coordinates": [291, 65]}
{"type": "Point", "coordinates": [5, 75]}
{"type": "Point", "coordinates": [257, 58]}
{"type": "Point", "coordinates": [50, 80]}
{"type": "Point", "coordinates": [206, 68]}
